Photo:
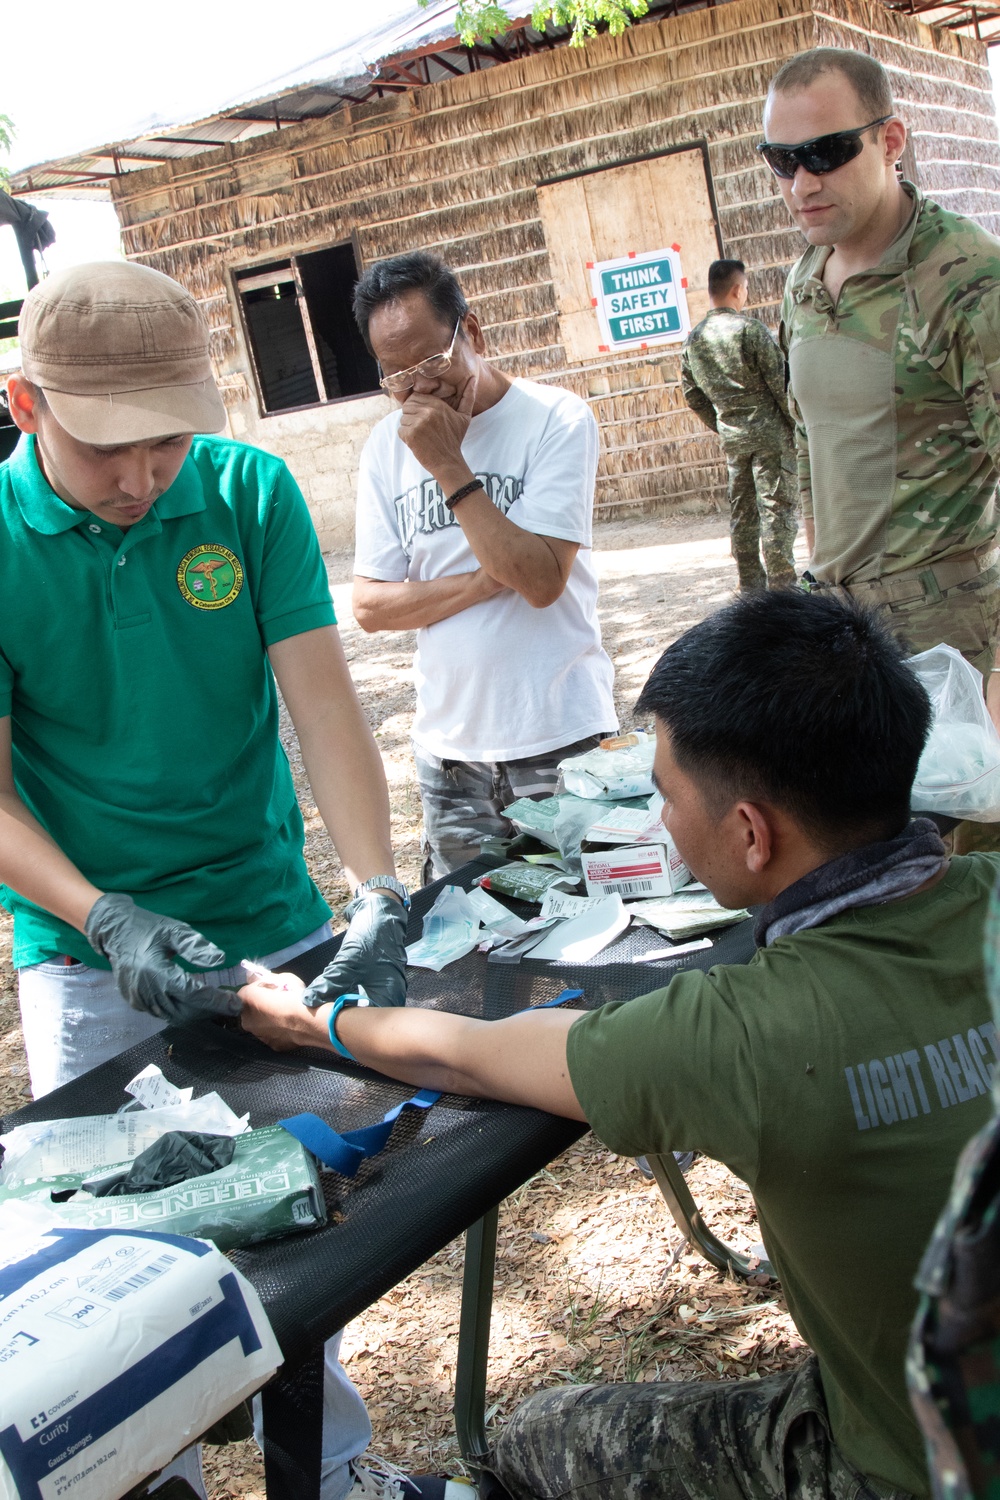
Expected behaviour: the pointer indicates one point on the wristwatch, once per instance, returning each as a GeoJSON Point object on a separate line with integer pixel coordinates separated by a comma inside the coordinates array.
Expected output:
{"type": "Point", "coordinates": [384, 883]}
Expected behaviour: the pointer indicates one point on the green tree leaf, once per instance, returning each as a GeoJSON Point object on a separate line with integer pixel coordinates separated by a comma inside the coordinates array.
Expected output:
{"type": "Point", "coordinates": [485, 20]}
{"type": "Point", "coordinates": [7, 134]}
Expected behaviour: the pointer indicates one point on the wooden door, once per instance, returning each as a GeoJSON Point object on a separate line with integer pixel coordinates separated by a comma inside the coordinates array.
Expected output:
{"type": "Point", "coordinates": [645, 206]}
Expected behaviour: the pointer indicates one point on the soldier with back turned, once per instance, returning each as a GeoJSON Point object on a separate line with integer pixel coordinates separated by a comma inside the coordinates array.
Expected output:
{"type": "Point", "coordinates": [733, 378]}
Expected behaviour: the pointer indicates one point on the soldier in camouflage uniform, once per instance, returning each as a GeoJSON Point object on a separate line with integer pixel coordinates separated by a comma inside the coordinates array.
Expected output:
{"type": "Point", "coordinates": [733, 378]}
{"type": "Point", "coordinates": [953, 1364]}
{"type": "Point", "coordinates": [891, 325]}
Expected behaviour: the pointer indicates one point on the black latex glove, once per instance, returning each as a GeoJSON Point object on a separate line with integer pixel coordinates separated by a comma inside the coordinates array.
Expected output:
{"type": "Point", "coordinates": [175, 1157]}
{"type": "Point", "coordinates": [141, 947]}
{"type": "Point", "coordinates": [373, 954]}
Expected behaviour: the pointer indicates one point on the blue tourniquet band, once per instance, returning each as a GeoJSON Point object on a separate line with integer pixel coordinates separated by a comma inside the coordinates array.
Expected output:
{"type": "Point", "coordinates": [339, 1004]}
{"type": "Point", "coordinates": [345, 1153]}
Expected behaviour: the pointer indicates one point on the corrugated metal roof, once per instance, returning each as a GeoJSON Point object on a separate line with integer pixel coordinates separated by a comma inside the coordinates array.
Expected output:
{"type": "Point", "coordinates": [363, 69]}
{"type": "Point", "coordinates": [416, 49]}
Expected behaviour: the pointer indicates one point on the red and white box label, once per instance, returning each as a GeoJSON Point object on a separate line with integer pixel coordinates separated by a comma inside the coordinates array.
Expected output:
{"type": "Point", "coordinates": [648, 870]}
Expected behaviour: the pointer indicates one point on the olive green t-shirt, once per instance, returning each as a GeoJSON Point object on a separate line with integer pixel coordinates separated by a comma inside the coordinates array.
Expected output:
{"type": "Point", "coordinates": [144, 715]}
{"type": "Point", "coordinates": [839, 1073]}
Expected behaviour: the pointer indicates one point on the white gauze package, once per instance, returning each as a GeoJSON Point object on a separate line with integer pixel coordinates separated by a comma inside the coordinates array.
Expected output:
{"type": "Point", "coordinates": [617, 768]}
{"type": "Point", "coordinates": [117, 1350]}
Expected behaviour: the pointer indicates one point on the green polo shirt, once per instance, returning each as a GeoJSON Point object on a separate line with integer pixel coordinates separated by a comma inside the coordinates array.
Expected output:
{"type": "Point", "coordinates": [144, 715]}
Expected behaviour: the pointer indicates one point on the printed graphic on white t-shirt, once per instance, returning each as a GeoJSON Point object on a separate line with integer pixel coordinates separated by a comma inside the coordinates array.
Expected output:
{"type": "Point", "coordinates": [422, 508]}
{"type": "Point", "coordinates": [501, 680]}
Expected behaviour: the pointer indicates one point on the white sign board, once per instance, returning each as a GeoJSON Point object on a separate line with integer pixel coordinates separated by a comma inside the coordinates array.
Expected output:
{"type": "Point", "coordinates": [640, 300]}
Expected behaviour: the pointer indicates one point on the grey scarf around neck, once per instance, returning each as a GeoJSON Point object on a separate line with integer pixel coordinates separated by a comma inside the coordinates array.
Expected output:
{"type": "Point", "coordinates": [867, 876]}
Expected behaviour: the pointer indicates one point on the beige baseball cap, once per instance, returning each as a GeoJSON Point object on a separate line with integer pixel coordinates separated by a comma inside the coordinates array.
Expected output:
{"type": "Point", "coordinates": [121, 353]}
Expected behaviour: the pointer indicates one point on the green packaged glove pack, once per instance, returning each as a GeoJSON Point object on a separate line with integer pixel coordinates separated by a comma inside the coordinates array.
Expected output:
{"type": "Point", "coordinates": [270, 1188]}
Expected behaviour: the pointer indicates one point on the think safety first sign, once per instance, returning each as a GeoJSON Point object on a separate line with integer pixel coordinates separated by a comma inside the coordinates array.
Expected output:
{"type": "Point", "coordinates": [640, 299]}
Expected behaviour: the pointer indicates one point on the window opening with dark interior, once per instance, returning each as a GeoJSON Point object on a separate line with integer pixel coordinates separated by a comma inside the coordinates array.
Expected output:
{"type": "Point", "coordinates": [305, 344]}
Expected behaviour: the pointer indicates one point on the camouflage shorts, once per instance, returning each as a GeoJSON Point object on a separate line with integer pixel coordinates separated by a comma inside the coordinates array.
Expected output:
{"type": "Point", "coordinates": [693, 1440]}
{"type": "Point", "coordinates": [463, 800]}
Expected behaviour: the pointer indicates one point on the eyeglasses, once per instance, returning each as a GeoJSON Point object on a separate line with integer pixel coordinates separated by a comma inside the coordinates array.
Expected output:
{"type": "Point", "coordinates": [435, 364]}
{"type": "Point", "coordinates": [824, 153]}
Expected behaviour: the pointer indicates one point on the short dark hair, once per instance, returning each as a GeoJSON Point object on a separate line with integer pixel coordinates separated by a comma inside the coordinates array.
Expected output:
{"type": "Point", "coordinates": [416, 271]}
{"type": "Point", "coordinates": [800, 700]}
{"type": "Point", "coordinates": [866, 76]}
{"type": "Point", "coordinates": [722, 274]}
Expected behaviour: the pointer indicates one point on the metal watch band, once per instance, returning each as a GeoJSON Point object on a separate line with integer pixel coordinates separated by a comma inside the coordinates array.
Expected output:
{"type": "Point", "coordinates": [384, 883]}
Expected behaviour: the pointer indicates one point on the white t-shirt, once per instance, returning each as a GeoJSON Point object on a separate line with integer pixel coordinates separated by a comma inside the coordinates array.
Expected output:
{"type": "Point", "coordinates": [500, 680]}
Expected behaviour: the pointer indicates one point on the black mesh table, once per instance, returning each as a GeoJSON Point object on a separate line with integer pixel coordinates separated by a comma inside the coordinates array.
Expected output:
{"type": "Point", "coordinates": [444, 1170]}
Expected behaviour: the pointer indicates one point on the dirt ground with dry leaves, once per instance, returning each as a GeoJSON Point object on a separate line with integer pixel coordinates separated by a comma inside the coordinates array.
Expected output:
{"type": "Point", "coordinates": [593, 1282]}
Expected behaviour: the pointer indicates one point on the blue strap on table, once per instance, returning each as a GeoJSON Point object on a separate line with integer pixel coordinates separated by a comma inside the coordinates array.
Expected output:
{"type": "Point", "coordinates": [345, 1153]}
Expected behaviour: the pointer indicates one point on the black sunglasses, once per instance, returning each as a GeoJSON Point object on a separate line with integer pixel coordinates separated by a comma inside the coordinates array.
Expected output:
{"type": "Point", "coordinates": [824, 153]}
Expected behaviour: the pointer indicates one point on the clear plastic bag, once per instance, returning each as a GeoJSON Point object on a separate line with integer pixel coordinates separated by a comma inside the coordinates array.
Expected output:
{"type": "Point", "coordinates": [91, 1143]}
{"type": "Point", "coordinates": [959, 771]}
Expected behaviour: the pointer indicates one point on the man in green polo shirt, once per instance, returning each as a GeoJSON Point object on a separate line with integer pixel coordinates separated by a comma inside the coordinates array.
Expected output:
{"type": "Point", "coordinates": [156, 589]}
{"type": "Point", "coordinates": [839, 1073]}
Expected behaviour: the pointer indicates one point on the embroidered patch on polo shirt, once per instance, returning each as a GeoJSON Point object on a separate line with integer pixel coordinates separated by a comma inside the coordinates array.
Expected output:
{"type": "Point", "coordinates": [210, 576]}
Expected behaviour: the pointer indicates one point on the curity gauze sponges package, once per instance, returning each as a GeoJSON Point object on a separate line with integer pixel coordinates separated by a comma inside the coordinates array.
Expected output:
{"type": "Point", "coordinates": [117, 1349]}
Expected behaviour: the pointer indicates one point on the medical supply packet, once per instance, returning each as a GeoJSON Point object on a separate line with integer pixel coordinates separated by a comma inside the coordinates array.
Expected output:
{"type": "Point", "coordinates": [270, 1188]}
{"type": "Point", "coordinates": [580, 938]}
{"type": "Point", "coordinates": [638, 870]}
{"type": "Point", "coordinates": [525, 882]}
{"type": "Point", "coordinates": [49, 1148]}
{"type": "Point", "coordinates": [450, 931]}
{"type": "Point", "coordinates": [562, 822]}
{"type": "Point", "coordinates": [613, 770]}
{"type": "Point", "coordinates": [628, 823]}
{"type": "Point", "coordinates": [117, 1350]}
{"type": "Point", "coordinates": [686, 914]}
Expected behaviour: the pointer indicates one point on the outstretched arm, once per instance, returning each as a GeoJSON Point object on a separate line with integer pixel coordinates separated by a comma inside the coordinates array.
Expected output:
{"type": "Point", "coordinates": [521, 1060]}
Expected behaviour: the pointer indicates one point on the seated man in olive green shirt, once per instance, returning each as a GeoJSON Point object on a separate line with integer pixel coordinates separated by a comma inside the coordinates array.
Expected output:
{"type": "Point", "coordinates": [839, 1073]}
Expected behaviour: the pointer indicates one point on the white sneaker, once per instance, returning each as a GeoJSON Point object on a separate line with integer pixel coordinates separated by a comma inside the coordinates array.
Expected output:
{"type": "Point", "coordinates": [379, 1480]}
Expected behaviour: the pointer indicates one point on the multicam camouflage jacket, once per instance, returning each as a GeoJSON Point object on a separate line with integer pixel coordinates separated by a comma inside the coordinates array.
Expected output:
{"type": "Point", "coordinates": [733, 378]}
{"type": "Point", "coordinates": [953, 1362]}
{"type": "Point", "coordinates": [895, 395]}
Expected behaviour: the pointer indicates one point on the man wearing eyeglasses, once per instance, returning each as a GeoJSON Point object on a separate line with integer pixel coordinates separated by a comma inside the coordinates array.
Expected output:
{"type": "Point", "coordinates": [891, 324]}
{"type": "Point", "coordinates": [474, 529]}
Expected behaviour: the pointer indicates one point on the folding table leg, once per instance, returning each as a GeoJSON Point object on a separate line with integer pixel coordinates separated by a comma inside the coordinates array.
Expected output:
{"type": "Point", "coordinates": [687, 1216]}
{"type": "Point", "coordinates": [474, 1338]}
{"type": "Point", "coordinates": [292, 1411]}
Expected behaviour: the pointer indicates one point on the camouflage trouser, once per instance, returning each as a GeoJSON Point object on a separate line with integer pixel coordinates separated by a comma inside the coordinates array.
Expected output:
{"type": "Point", "coordinates": [966, 616]}
{"type": "Point", "coordinates": [690, 1440]}
{"type": "Point", "coordinates": [463, 800]}
{"type": "Point", "coordinates": [764, 517]}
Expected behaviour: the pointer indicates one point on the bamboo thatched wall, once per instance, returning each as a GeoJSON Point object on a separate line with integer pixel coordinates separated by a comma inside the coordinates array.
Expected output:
{"type": "Point", "coordinates": [454, 167]}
